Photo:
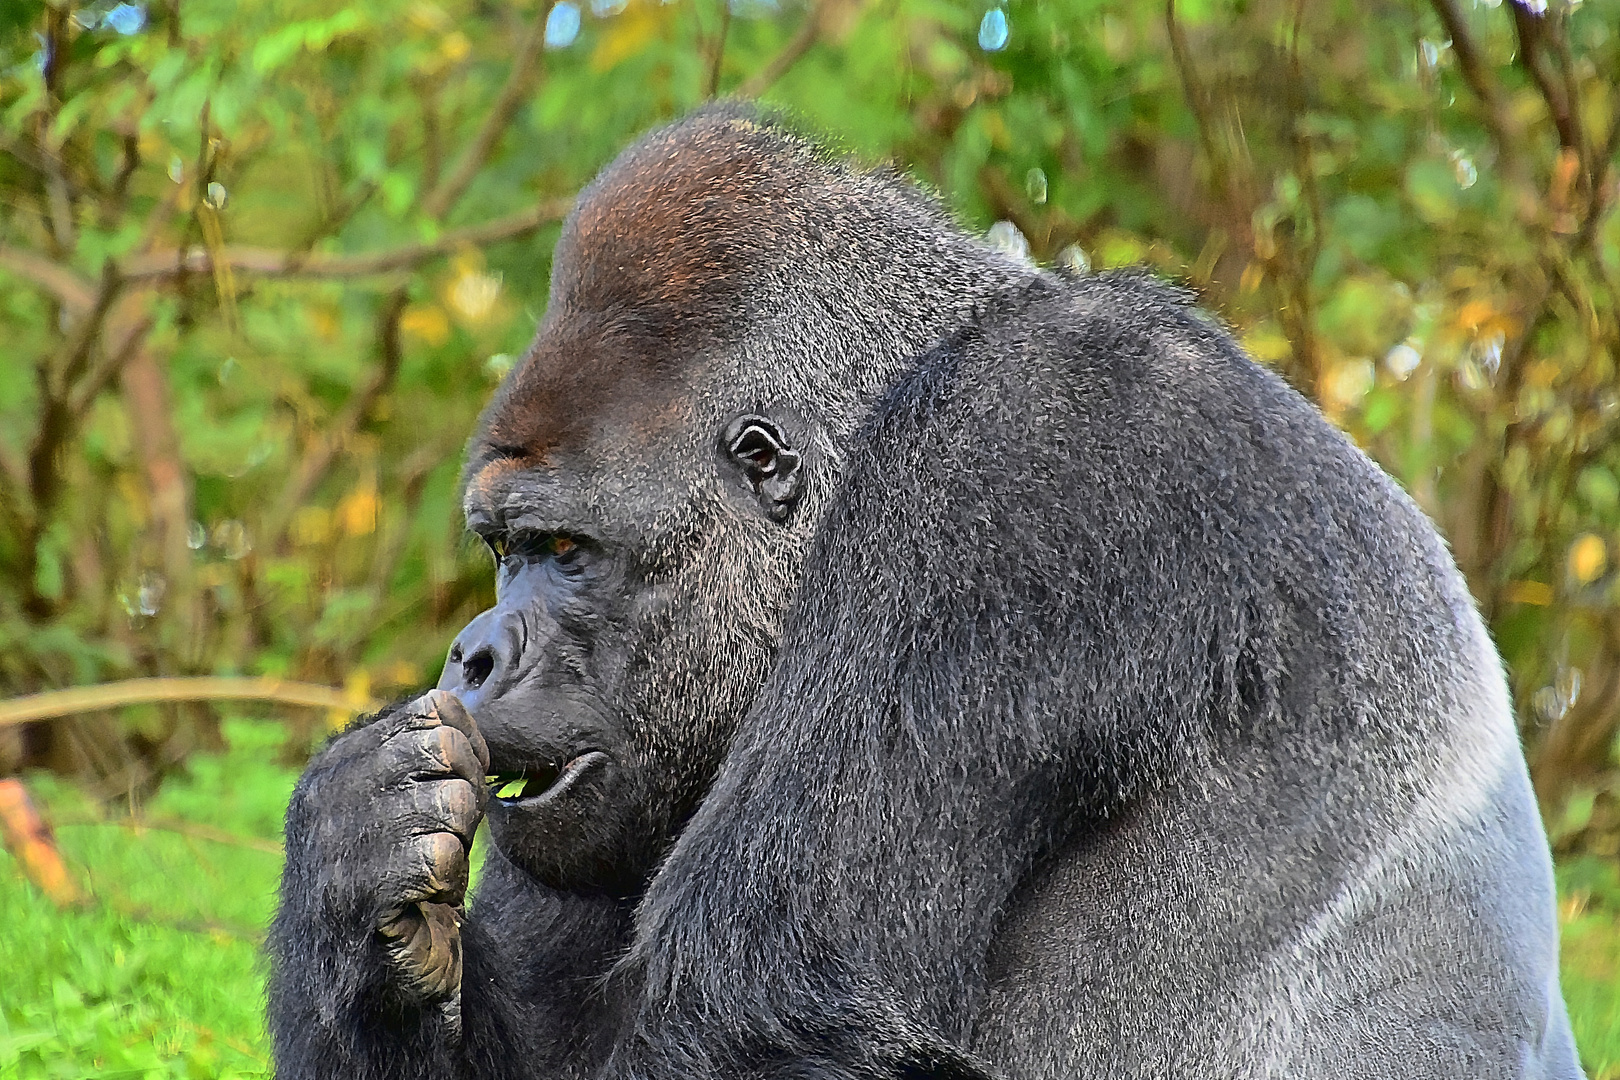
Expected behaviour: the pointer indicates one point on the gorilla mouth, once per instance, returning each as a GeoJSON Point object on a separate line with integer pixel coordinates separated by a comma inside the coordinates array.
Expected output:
{"type": "Point", "coordinates": [543, 783]}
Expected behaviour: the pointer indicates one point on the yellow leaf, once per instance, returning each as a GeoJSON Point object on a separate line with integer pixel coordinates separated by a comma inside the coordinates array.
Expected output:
{"type": "Point", "coordinates": [356, 690]}
{"type": "Point", "coordinates": [428, 323]}
{"type": "Point", "coordinates": [474, 294]}
{"type": "Point", "coordinates": [1266, 342]}
{"type": "Point", "coordinates": [311, 525]}
{"type": "Point", "coordinates": [402, 673]}
{"type": "Point", "coordinates": [358, 511]}
{"type": "Point", "coordinates": [455, 47]}
{"type": "Point", "coordinates": [1347, 383]}
{"type": "Point", "coordinates": [1588, 556]}
{"type": "Point", "coordinates": [1474, 314]}
{"type": "Point", "coordinates": [325, 322]}
{"type": "Point", "coordinates": [1530, 592]}
{"type": "Point", "coordinates": [1253, 275]}
{"type": "Point", "coordinates": [628, 34]}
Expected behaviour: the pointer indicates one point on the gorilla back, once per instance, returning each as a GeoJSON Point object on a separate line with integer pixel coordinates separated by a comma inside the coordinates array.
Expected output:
{"type": "Point", "coordinates": [907, 663]}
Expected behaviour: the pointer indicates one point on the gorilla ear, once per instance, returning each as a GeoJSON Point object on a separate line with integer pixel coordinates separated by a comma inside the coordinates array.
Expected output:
{"type": "Point", "coordinates": [756, 446]}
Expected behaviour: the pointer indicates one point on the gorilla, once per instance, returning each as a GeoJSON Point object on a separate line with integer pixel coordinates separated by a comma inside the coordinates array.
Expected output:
{"type": "Point", "coordinates": [910, 663]}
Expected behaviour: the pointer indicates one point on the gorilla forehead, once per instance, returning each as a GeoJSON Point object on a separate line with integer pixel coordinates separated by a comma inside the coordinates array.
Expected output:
{"type": "Point", "coordinates": [653, 276]}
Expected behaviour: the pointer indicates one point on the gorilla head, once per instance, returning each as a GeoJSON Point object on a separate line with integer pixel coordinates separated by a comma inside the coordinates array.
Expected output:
{"type": "Point", "coordinates": [724, 306]}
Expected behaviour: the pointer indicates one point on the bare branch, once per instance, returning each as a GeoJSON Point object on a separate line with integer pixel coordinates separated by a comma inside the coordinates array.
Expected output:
{"type": "Point", "coordinates": [717, 54]}
{"type": "Point", "coordinates": [57, 423]}
{"type": "Point", "coordinates": [1198, 100]}
{"type": "Point", "coordinates": [139, 823]}
{"type": "Point", "coordinates": [85, 334]}
{"type": "Point", "coordinates": [1532, 31]}
{"type": "Point", "coordinates": [112, 362]}
{"type": "Point", "coordinates": [442, 199]}
{"type": "Point", "coordinates": [808, 33]}
{"type": "Point", "coordinates": [68, 286]}
{"type": "Point", "coordinates": [1480, 80]}
{"type": "Point", "coordinates": [115, 695]}
{"type": "Point", "coordinates": [268, 262]}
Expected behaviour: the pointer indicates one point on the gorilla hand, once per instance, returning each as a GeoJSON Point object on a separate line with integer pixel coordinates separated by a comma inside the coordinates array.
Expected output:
{"type": "Point", "coordinates": [389, 811]}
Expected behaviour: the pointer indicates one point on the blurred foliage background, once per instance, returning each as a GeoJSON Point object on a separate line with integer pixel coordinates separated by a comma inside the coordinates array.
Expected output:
{"type": "Point", "coordinates": [261, 264]}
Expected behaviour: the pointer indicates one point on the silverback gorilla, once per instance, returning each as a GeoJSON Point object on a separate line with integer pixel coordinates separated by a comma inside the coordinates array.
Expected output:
{"type": "Point", "coordinates": [908, 663]}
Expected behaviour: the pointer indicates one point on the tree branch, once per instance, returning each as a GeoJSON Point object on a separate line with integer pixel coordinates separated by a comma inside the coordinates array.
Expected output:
{"type": "Point", "coordinates": [1531, 29]}
{"type": "Point", "coordinates": [808, 33]}
{"type": "Point", "coordinates": [1198, 101]}
{"type": "Point", "coordinates": [268, 262]}
{"type": "Point", "coordinates": [439, 202]}
{"type": "Point", "coordinates": [115, 695]}
{"type": "Point", "coordinates": [68, 286]}
{"type": "Point", "coordinates": [1497, 118]}
{"type": "Point", "coordinates": [113, 362]}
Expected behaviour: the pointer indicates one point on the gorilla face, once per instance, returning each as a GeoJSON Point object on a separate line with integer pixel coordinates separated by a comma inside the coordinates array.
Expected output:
{"type": "Point", "coordinates": [635, 619]}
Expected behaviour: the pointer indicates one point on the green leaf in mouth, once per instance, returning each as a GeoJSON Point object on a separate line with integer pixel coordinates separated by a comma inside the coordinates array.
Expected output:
{"type": "Point", "coordinates": [507, 785]}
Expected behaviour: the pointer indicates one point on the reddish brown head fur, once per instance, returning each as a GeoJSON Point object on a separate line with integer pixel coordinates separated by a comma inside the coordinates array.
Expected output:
{"type": "Point", "coordinates": [650, 273]}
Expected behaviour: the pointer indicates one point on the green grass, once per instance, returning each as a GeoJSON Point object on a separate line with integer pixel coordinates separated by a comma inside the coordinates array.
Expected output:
{"type": "Point", "coordinates": [158, 974]}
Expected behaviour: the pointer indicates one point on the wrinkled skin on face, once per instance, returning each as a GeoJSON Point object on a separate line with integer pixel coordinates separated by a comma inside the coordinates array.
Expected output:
{"type": "Point", "coordinates": [603, 705]}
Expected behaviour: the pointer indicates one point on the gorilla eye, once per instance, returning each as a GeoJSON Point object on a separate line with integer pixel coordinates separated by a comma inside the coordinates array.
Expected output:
{"type": "Point", "coordinates": [559, 548]}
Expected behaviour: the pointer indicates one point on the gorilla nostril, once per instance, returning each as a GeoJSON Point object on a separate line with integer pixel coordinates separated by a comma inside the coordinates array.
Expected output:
{"type": "Point", "coordinates": [477, 667]}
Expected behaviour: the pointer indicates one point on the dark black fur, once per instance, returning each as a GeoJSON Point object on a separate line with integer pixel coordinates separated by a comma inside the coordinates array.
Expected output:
{"type": "Point", "coordinates": [1122, 720]}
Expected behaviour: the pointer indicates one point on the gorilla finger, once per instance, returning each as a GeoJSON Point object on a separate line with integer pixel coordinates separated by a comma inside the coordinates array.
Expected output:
{"type": "Point", "coordinates": [435, 752]}
{"type": "Point", "coordinates": [453, 713]}
{"type": "Point", "coordinates": [424, 947]}
{"type": "Point", "coordinates": [451, 806]}
{"type": "Point", "coordinates": [432, 867]}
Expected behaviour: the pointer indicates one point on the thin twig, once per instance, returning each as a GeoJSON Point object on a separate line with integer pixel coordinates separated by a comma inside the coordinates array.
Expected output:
{"type": "Point", "coordinates": [75, 292]}
{"type": "Point", "coordinates": [442, 199]}
{"type": "Point", "coordinates": [56, 426]}
{"type": "Point", "coordinates": [86, 334]}
{"type": "Point", "coordinates": [59, 200]}
{"type": "Point", "coordinates": [78, 294]}
{"type": "Point", "coordinates": [1497, 118]}
{"type": "Point", "coordinates": [100, 376]}
{"type": "Point", "coordinates": [318, 458]}
{"type": "Point", "coordinates": [178, 827]}
{"type": "Point", "coordinates": [717, 55]}
{"type": "Point", "coordinates": [142, 914]}
{"type": "Point", "coordinates": [114, 695]}
{"type": "Point", "coordinates": [1531, 29]}
{"type": "Point", "coordinates": [808, 33]}
{"type": "Point", "coordinates": [1198, 100]}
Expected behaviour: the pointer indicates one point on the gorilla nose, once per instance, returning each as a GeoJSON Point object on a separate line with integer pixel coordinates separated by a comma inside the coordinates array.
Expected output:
{"type": "Point", "coordinates": [479, 660]}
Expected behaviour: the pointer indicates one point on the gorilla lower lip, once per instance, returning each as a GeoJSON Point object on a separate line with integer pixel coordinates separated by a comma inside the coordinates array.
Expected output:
{"type": "Point", "coordinates": [545, 782]}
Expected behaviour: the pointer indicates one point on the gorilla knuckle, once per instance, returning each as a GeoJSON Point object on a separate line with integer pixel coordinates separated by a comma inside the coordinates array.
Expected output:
{"type": "Point", "coordinates": [449, 804]}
